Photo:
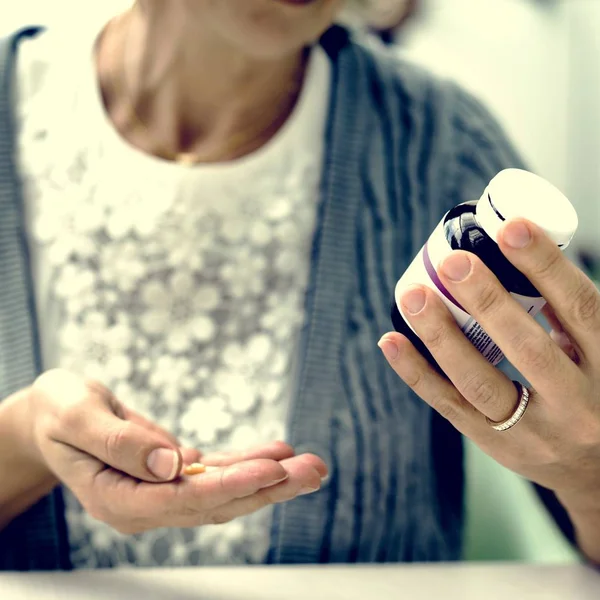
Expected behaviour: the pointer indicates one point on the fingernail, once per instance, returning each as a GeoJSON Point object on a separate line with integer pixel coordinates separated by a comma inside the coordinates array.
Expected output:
{"type": "Point", "coordinates": [517, 235]}
{"type": "Point", "coordinates": [414, 300]}
{"type": "Point", "coordinates": [389, 348]}
{"type": "Point", "coordinates": [307, 490]}
{"type": "Point", "coordinates": [163, 463]}
{"type": "Point", "coordinates": [457, 266]}
{"type": "Point", "coordinates": [276, 481]}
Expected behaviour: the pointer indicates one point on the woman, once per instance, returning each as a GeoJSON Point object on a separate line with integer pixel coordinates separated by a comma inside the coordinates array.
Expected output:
{"type": "Point", "coordinates": [214, 201]}
{"type": "Point", "coordinates": [386, 17]}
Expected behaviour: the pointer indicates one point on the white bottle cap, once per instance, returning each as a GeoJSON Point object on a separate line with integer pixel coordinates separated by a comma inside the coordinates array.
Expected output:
{"type": "Point", "coordinates": [514, 193]}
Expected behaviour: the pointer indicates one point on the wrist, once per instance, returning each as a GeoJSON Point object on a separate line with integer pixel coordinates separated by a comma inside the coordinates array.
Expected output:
{"type": "Point", "coordinates": [584, 512]}
{"type": "Point", "coordinates": [580, 502]}
{"type": "Point", "coordinates": [24, 474]}
{"type": "Point", "coordinates": [19, 425]}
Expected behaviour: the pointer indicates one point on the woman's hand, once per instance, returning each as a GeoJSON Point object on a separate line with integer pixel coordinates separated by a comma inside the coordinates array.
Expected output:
{"type": "Point", "coordinates": [126, 471]}
{"type": "Point", "coordinates": [557, 442]}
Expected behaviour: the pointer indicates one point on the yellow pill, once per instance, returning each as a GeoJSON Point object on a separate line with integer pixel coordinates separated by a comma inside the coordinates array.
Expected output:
{"type": "Point", "coordinates": [194, 469]}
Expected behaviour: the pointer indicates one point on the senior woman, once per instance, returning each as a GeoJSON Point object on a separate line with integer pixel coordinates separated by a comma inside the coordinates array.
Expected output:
{"type": "Point", "coordinates": [205, 205]}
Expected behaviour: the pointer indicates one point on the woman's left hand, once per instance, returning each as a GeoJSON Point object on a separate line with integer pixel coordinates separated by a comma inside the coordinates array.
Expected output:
{"type": "Point", "coordinates": [557, 442]}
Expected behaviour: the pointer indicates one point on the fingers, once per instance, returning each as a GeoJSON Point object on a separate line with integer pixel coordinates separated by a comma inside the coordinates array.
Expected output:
{"type": "Point", "coordinates": [212, 497]}
{"type": "Point", "coordinates": [283, 479]}
{"type": "Point", "coordinates": [303, 478]}
{"type": "Point", "coordinates": [311, 460]}
{"type": "Point", "coordinates": [215, 496]}
{"type": "Point", "coordinates": [114, 497]}
{"type": "Point", "coordinates": [562, 340]}
{"type": "Point", "coordinates": [437, 391]}
{"type": "Point", "coordinates": [215, 488]}
{"type": "Point", "coordinates": [486, 388]}
{"type": "Point", "coordinates": [191, 455]}
{"type": "Point", "coordinates": [572, 295]}
{"type": "Point", "coordinates": [552, 319]}
{"type": "Point", "coordinates": [108, 461]}
{"type": "Point", "coordinates": [128, 447]}
{"type": "Point", "coordinates": [559, 336]}
{"type": "Point", "coordinates": [272, 450]}
{"type": "Point", "coordinates": [523, 340]}
{"type": "Point", "coordinates": [84, 418]}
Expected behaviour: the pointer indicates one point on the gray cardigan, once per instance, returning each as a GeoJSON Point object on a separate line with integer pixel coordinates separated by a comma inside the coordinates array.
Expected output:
{"type": "Point", "coordinates": [401, 149]}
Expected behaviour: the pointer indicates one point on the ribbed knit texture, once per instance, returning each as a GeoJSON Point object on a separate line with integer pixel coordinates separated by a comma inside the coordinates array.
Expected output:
{"type": "Point", "coordinates": [402, 148]}
{"type": "Point", "coordinates": [34, 540]}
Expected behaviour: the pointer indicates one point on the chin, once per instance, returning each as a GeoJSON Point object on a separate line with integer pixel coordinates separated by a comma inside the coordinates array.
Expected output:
{"type": "Point", "coordinates": [271, 28]}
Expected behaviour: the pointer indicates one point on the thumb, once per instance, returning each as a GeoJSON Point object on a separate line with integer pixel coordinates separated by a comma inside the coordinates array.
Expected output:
{"type": "Point", "coordinates": [132, 449]}
{"type": "Point", "coordinates": [92, 421]}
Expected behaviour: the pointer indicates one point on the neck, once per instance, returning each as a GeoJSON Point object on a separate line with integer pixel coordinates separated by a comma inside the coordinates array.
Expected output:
{"type": "Point", "coordinates": [175, 87]}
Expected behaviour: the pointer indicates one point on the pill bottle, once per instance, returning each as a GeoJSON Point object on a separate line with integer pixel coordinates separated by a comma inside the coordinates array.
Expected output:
{"type": "Point", "coordinates": [473, 226]}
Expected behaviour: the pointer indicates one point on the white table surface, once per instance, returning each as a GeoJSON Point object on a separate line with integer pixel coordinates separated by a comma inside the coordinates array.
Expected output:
{"type": "Point", "coordinates": [459, 582]}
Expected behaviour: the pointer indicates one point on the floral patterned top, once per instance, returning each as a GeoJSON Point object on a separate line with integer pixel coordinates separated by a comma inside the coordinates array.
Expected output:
{"type": "Point", "coordinates": [180, 288]}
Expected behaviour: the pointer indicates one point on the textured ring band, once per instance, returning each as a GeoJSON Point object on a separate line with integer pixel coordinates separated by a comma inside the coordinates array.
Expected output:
{"type": "Point", "coordinates": [519, 411]}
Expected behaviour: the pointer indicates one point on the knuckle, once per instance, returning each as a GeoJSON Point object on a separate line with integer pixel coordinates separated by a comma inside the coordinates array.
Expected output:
{"type": "Point", "coordinates": [61, 387]}
{"type": "Point", "coordinates": [536, 353]}
{"type": "Point", "coordinates": [67, 398]}
{"type": "Point", "coordinates": [49, 426]}
{"type": "Point", "coordinates": [413, 378]}
{"type": "Point", "coordinates": [488, 299]}
{"type": "Point", "coordinates": [585, 309]}
{"type": "Point", "coordinates": [101, 393]}
{"type": "Point", "coordinates": [437, 335]}
{"type": "Point", "coordinates": [70, 417]}
{"type": "Point", "coordinates": [479, 390]}
{"type": "Point", "coordinates": [52, 377]}
{"type": "Point", "coordinates": [448, 409]}
{"type": "Point", "coordinates": [549, 265]}
{"type": "Point", "coordinates": [114, 443]}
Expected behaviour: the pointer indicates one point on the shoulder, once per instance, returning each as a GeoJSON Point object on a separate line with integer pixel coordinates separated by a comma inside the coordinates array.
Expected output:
{"type": "Point", "coordinates": [461, 139]}
{"type": "Point", "coordinates": [407, 86]}
{"type": "Point", "coordinates": [25, 57]}
{"type": "Point", "coordinates": [39, 55]}
{"type": "Point", "coordinates": [33, 61]}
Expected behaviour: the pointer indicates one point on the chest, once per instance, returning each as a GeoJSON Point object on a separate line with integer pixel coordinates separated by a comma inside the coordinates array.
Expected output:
{"type": "Point", "coordinates": [173, 289]}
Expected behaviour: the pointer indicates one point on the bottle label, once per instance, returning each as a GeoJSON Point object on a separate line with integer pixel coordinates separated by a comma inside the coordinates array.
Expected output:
{"type": "Point", "coordinates": [423, 271]}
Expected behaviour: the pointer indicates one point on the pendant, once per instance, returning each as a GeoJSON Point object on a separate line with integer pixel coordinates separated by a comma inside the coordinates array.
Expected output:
{"type": "Point", "coordinates": [186, 158]}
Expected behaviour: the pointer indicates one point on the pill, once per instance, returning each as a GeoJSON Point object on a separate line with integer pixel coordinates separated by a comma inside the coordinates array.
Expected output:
{"type": "Point", "coordinates": [194, 469]}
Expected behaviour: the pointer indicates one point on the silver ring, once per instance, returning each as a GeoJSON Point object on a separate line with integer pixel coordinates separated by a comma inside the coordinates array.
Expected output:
{"type": "Point", "coordinates": [522, 405]}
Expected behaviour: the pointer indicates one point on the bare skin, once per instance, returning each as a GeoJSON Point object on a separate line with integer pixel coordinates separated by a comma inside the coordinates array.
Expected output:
{"type": "Point", "coordinates": [216, 78]}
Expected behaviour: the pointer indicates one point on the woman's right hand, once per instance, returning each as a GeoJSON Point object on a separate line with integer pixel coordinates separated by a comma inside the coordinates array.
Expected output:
{"type": "Point", "coordinates": [126, 471]}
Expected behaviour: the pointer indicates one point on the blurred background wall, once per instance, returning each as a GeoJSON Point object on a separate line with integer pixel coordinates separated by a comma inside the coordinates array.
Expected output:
{"type": "Point", "coordinates": [536, 64]}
